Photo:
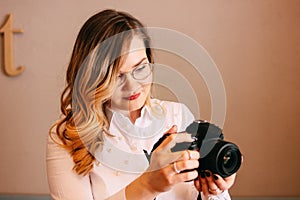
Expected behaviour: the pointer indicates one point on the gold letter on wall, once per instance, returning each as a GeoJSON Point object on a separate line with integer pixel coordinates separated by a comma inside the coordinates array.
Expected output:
{"type": "Point", "coordinates": [8, 31]}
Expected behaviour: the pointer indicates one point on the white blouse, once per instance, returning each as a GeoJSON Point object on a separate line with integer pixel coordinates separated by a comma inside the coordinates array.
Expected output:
{"type": "Point", "coordinates": [121, 158]}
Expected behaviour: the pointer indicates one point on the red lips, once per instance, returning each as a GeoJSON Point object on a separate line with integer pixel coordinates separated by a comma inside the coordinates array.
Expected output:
{"type": "Point", "coordinates": [134, 96]}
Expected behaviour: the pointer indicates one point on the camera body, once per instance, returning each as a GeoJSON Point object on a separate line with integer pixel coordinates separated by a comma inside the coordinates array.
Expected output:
{"type": "Point", "coordinates": [216, 155]}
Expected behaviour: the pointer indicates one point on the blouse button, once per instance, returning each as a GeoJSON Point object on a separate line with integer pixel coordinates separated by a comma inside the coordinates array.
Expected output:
{"type": "Point", "coordinates": [133, 148]}
{"type": "Point", "coordinates": [108, 150]}
{"type": "Point", "coordinates": [98, 163]}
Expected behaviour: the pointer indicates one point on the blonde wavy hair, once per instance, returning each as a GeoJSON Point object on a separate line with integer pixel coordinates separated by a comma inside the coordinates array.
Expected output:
{"type": "Point", "coordinates": [90, 81]}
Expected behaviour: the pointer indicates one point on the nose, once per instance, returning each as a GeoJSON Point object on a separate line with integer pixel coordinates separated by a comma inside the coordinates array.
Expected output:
{"type": "Point", "coordinates": [130, 83]}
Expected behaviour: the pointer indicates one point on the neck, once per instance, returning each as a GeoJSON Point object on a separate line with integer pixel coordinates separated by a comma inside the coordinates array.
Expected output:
{"type": "Point", "coordinates": [133, 115]}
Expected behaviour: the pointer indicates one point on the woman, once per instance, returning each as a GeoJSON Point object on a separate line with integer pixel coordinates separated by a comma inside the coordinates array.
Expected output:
{"type": "Point", "coordinates": [96, 150]}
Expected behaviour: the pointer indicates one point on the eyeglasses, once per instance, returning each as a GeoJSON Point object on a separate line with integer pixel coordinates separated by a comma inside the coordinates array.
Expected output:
{"type": "Point", "coordinates": [139, 73]}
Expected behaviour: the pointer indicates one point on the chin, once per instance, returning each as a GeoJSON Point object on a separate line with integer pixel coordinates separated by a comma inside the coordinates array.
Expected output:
{"type": "Point", "coordinates": [138, 104]}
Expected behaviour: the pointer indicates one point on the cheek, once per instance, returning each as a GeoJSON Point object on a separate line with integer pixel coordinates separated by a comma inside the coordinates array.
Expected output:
{"type": "Point", "coordinates": [147, 88]}
{"type": "Point", "coordinates": [147, 84]}
{"type": "Point", "coordinates": [116, 96]}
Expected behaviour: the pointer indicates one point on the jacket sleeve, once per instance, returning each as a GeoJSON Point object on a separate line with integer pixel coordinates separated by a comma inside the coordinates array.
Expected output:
{"type": "Point", "coordinates": [63, 181]}
{"type": "Point", "coordinates": [66, 184]}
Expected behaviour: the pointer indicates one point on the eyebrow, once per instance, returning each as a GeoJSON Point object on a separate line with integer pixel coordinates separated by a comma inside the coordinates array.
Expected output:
{"type": "Point", "coordinates": [137, 64]}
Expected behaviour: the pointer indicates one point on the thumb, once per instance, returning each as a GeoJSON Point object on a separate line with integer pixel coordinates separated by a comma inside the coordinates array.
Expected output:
{"type": "Point", "coordinates": [173, 129]}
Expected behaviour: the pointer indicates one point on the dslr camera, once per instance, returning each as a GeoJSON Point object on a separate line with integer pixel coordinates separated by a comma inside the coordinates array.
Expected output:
{"type": "Point", "coordinates": [216, 155]}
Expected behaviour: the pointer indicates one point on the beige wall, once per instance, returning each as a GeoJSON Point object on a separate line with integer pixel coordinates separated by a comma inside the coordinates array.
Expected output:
{"type": "Point", "coordinates": [255, 44]}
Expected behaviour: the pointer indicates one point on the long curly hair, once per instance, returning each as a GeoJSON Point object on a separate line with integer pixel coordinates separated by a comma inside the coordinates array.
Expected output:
{"type": "Point", "coordinates": [90, 82]}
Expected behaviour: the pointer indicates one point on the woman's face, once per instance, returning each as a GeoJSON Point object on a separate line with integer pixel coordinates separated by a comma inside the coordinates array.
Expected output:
{"type": "Point", "coordinates": [130, 94]}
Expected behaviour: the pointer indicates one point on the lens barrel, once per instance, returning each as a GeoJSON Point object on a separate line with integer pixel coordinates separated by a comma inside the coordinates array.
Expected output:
{"type": "Point", "coordinates": [224, 159]}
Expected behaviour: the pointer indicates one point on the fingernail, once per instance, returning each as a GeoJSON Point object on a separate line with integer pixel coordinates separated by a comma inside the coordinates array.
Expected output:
{"type": "Point", "coordinates": [215, 177]}
{"type": "Point", "coordinates": [207, 174]}
{"type": "Point", "coordinates": [202, 174]}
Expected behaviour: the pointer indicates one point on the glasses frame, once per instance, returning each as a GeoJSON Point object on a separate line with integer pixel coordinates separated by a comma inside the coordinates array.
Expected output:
{"type": "Point", "coordinates": [131, 72]}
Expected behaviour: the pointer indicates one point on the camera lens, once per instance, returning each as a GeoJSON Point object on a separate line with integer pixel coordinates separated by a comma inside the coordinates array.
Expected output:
{"type": "Point", "coordinates": [228, 159]}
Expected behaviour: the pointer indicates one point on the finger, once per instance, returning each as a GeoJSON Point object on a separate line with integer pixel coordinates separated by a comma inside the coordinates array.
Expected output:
{"type": "Point", "coordinates": [173, 129]}
{"type": "Point", "coordinates": [193, 155]}
{"type": "Point", "coordinates": [185, 155]}
{"type": "Point", "coordinates": [172, 139]}
{"type": "Point", "coordinates": [212, 186]}
{"type": "Point", "coordinates": [204, 185]}
{"type": "Point", "coordinates": [186, 176]}
{"type": "Point", "coordinates": [172, 157]}
{"type": "Point", "coordinates": [187, 165]}
{"type": "Point", "coordinates": [197, 184]}
{"type": "Point", "coordinates": [180, 167]}
{"type": "Point", "coordinates": [226, 183]}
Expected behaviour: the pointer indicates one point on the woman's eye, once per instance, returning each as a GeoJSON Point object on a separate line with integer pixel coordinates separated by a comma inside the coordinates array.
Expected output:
{"type": "Point", "coordinates": [140, 68]}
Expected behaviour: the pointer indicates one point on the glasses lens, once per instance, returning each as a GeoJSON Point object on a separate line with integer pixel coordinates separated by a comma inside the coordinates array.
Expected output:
{"type": "Point", "coordinates": [142, 72]}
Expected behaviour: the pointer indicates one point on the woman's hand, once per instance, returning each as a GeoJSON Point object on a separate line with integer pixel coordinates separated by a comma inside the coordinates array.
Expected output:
{"type": "Point", "coordinates": [166, 167]}
{"type": "Point", "coordinates": [209, 183]}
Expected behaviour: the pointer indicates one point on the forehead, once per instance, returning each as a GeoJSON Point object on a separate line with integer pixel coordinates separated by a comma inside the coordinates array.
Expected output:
{"type": "Point", "coordinates": [136, 44]}
{"type": "Point", "coordinates": [134, 54]}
